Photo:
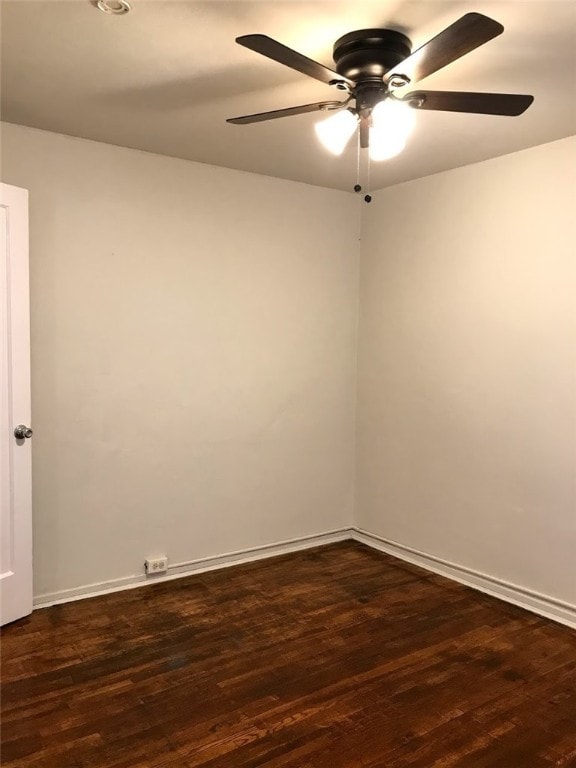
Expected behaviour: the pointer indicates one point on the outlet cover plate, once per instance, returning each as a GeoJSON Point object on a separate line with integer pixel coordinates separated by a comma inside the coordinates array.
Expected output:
{"type": "Point", "coordinates": [154, 565]}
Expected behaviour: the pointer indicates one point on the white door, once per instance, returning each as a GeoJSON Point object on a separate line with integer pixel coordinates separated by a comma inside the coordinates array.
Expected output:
{"type": "Point", "coordinates": [15, 453]}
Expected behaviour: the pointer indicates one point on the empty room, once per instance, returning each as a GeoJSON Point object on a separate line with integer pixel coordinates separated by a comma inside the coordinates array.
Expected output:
{"type": "Point", "coordinates": [288, 402]}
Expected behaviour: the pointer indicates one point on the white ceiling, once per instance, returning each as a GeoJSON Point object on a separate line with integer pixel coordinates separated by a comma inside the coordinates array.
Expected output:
{"type": "Point", "coordinates": [166, 76]}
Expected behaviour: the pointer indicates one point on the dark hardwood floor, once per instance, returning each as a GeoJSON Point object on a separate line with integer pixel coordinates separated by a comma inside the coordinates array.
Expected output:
{"type": "Point", "coordinates": [337, 657]}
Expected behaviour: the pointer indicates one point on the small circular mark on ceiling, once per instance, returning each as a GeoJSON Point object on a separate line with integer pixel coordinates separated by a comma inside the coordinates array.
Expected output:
{"type": "Point", "coordinates": [116, 7]}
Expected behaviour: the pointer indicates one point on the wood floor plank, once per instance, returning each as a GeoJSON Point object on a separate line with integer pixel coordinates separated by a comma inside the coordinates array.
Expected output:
{"type": "Point", "coordinates": [336, 657]}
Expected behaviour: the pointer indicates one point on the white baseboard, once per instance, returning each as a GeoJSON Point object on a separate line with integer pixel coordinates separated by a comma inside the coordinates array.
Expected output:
{"type": "Point", "coordinates": [178, 570]}
{"type": "Point", "coordinates": [543, 605]}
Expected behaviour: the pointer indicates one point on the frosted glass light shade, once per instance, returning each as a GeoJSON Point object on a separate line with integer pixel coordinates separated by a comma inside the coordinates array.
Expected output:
{"type": "Point", "coordinates": [335, 132]}
{"type": "Point", "coordinates": [392, 123]}
{"type": "Point", "coordinates": [383, 147]}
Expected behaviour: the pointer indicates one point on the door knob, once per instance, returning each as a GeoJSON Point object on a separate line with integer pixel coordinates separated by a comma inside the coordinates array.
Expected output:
{"type": "Point", "coordinates": [22, 431]}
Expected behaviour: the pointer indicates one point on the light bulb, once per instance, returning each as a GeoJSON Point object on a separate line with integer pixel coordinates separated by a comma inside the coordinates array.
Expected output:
{"type": "Point", "coordinates": [335, 132]}
{"type": "Point", "coordinates": [392, 123]}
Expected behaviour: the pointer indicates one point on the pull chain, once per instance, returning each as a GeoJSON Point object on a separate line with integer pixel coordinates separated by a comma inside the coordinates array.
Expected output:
{"type": "Point", "coordinates": [357, 186]}
{"type": "Point", "coordinates": [368, 196]}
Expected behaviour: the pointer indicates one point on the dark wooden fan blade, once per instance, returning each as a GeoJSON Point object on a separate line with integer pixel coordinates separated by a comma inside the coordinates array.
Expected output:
{"type": "Point", "coordinates": [364, 132]}
{"type": "Point", "coordinates": [480, 103]}
{"type": "Point", "coordinates": [319, 106]}
{"type": "Point", "coordinates": [469, 32]}
{"type": "Point", "coordinates": [284, 55]}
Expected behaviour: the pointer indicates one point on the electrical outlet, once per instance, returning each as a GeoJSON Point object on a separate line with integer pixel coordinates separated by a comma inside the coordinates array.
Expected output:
{"type": "Point", "coordinates": [156, 565]}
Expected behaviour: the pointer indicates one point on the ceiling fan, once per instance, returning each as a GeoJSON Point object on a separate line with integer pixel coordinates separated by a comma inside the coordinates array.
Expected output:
{"type": "Point", "coordinates": [371, 65]}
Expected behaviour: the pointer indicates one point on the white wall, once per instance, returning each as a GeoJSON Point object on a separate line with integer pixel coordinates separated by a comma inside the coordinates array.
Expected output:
{"type": "Point", "coordinates": [193, 357]}
{"type": "Point", "coordinates": [467, 370]}
{"type": "Point", "coordinates": [193, 348]}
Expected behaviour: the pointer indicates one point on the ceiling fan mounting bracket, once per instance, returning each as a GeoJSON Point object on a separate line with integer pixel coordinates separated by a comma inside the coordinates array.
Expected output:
{"type": "Point", "coordinates": [367, 54]}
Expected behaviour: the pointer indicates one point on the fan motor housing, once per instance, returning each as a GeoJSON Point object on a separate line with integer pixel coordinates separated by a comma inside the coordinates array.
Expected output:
{"type": "Point", "coordinates": [368, 54]}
